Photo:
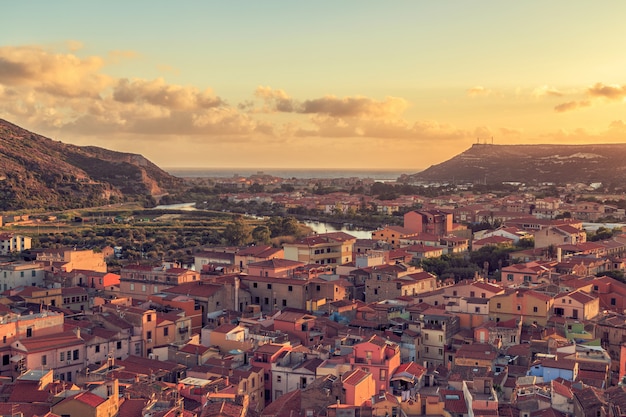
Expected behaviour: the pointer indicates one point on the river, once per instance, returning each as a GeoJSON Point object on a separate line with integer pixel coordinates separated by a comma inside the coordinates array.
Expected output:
{"type": "Point", "coordinates": [317, 227]}
{"type": "Point", "coordinates": [320, 227]}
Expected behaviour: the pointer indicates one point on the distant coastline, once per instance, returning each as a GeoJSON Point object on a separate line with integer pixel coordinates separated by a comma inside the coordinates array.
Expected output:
{"type": "Point", "coordinates": [300, 173]}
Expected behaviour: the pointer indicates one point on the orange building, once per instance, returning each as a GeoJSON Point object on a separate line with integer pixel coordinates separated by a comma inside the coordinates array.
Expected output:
{"type": "Point", "coordinates": [379, 357]}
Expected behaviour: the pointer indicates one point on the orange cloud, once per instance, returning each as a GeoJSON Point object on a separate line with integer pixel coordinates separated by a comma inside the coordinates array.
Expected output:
{"type": "Point", "coordinates": [158, 93]}
{"type": "Point", "coordinates": [478, 91]}
{"type": "Point", "coordinates": [545, 90]}
{"type": "Point", "coordinates": [359, 106]}
{"type": "Point", "coordinates": [593, 95]}
{"type": "Point", "coordinates": [57, 74]}
{"type": "Point", "coordinates": [571, 105]}
{"type": "Point", "coordinates": [611, 92]}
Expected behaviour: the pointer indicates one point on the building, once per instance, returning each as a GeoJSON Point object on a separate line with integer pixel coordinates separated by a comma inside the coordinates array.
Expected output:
{"type": "Point", "coordinates": [18, 274]}
{"type": "Point", "coordinates": [534, 307]}
{"type": "Point", "coordinates": [324, 249]}
{"type": "Point", "coordinates": [68, 259]}
{"type": "Point", "coordinates": [12, 243]}
{"type": "Point", "coordinates": [140, 281]}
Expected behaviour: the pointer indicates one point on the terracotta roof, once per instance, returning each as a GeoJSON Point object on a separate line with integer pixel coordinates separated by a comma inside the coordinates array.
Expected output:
{"type": "Point", "coordinates": [286, 405]}
{"type": "Point", "coordinates": [276, 263]}
{"type": "Point", "coordinates": [355, 376]}
{"type": "Point", "coordinates": [454, 401]}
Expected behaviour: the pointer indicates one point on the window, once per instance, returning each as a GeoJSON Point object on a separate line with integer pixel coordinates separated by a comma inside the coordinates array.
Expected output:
{"type": "Point", "coordinates": [425, 336]}
{"type": "Point", "coordinates": [44, 360]}
{"type": "Point", "coordinates": [279, 378]}
{"type": "Point", "coordinates": [132, 287]}
{"type": "Point", "coordinates": [143, 288]}
{"type": "Point", "coordinates": [613, 301]}
{"type": "Point", "coordinates": [519, 308]}
{"type": "Point", "coordinates": [62, 356]}
{"type": "Point", "coordinates": [509, 277]}
{"type": "Point", "coordinates": [29, 332]}
{"type": "Point", "coordinates": [137, 349]}
{"type": "Point", "coordinates": [149, 317]}
{"type": "Point", "coordinates": [498, 305]}
{"type": "Point", "coordinates": [383, 374]}
{"type": "Point", "coordinates": [317, 288]}
{"type": "Point", "coordinates": [166, 331]}
{"type": "Point", "coordinates": [97, 348]}
{"type": "Point", "coordinates": [454, 293]}
{"type": "Point", "coordinates": [33, 274]}
{"type": "Point", "coordinates": [75, 355]}
{"type": "Point", "coordinates": [472, 294]}
{"type": "Point", "coordinates": [440, 351]}
{"type": "Point", "coordinates": [535, 309]}
{"type": "Point", "coordinates": [269, 286]}
{"type": "Point", "coordinates": [6, 359]}
{"type": "Point", "coordinates": [267, 301]}
{"type": "Point", "coordinates": [290, 288]}
{"type": "Point", "coordinates": [255, 285]}
{"type": "Point", "coordinates": [148, 336]}
{"type": "Point", "coordinates": [284, 303]}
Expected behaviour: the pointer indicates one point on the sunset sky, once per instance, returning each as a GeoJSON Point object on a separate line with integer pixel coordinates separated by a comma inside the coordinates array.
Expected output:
{"type": "Point", "coordinates": [319, 84]}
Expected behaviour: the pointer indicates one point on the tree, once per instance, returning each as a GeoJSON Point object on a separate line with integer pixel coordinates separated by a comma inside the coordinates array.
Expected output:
{"type": "Point", "coordinates": [238, 232]}
{"type": "Point", "coordinates": [256, 188]}
{"type": "Point", "coordinates": [261, 234]}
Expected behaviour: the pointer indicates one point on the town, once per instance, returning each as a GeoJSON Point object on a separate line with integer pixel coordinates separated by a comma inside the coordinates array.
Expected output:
{"type": "Point", "coordinates": [328, 324]}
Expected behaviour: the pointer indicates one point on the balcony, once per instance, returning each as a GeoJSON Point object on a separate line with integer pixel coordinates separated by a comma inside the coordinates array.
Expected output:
{"type": "Point", "coordinates": [183, 330]}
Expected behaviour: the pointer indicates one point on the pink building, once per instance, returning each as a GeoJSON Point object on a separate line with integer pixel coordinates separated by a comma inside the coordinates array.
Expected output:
{"type": "Point", "coordinates": [379, 357]}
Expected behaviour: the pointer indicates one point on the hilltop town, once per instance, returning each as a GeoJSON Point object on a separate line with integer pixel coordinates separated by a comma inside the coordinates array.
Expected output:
{"type": "Point", "coordinates": [330, 325]}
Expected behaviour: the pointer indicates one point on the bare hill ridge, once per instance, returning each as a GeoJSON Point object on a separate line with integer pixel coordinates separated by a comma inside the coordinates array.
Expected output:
{"type": "Point", "coordinates": [531, 164]}
{"type": "Point", "coordinates": [38, 172]}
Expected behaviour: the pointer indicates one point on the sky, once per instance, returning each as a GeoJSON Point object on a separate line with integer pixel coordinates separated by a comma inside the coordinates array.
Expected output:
{"type": "Point", "coordinates": [349, 84]}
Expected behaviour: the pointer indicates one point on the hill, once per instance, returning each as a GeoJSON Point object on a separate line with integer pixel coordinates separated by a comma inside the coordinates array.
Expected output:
{"type": "Point", "coordinates": [38, 172]}
{"type": "Point", "coordinates": [531, 164]}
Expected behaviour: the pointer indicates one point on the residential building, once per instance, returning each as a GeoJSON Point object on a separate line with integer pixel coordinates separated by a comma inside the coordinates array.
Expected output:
{"type": "Point", "coordinates": [324, 249]}
{"type": "Point", "coordinates": [379, 357]}
{"type": "Point", "coordinates": [534, 307]}
{"type": "Point", "coordinates": [436, 222]}
{"type": "Point", "coordinates": [253, 254]}
{"type": "Point", "coordinates": [68, 259]}
{"type": "Point", "coordinates": [437, 328]}
{"type": "Point", "coordinates": [140, 281]}
{"type": "Point", "coordinates": [12, 243]}
{"type": "Point", "coordinates": [101, 401]}
{"type": "Point", "coordinates": [576, 305]}
{"type": "Point", "coordinates": [274, 268]}
{"type": "Point", "coordinates": [18, 274]}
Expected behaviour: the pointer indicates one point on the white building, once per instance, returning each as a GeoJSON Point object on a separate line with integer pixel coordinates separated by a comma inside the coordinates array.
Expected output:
{"type": "Point", "coordinates": [17, 274]}
{"type": "Point", "coordinates": [10, 242]}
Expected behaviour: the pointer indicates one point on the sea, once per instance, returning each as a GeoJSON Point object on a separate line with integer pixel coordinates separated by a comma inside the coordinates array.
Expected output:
{"type": "Point", "coordinates": [300, 173]}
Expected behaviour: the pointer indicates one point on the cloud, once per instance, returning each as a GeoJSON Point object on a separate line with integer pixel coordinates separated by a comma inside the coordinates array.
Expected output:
{"type": "Point", "coordinates": [478, 91]}
{"type": "Point", "coordinates": [610, 92]}
{"type": "Point", "coordinates": [547, 91]}
{"type": "Point", "coordinates": [58, 74]}
{"type": "Point", "coordinates": [340, 107]}
{"type": "Point", "coordinates": [355, 107]}
{"type": "Point", "coordinates": [594, 95]}
{"type": "Point", "coordinates": [158, 93]}
{"type": "Point", "coordinates": [571, 105]}
{"type": "Point", "coordinates": [275, 100]}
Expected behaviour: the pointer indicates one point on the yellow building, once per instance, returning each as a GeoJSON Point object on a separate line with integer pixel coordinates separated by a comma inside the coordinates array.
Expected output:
{"type": "Point", "coordinates": [533, 306]}
{"type": "Point", "coordinates": [324, 249]}
{"type": "Point", "coordinates": [102, 401]}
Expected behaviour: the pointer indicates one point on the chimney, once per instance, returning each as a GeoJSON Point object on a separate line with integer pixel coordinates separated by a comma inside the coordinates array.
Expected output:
{"type": "Point", "coordinates": [559, 255]}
